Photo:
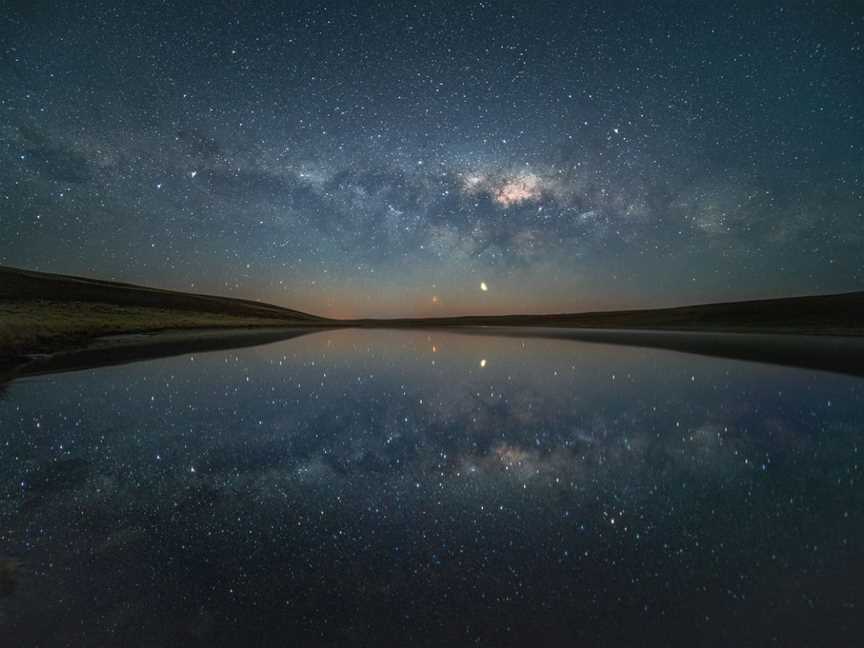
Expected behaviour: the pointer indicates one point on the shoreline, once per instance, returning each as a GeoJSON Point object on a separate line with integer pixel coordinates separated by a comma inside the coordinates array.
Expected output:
{"type": "Point", "coordinates": [51, 321]}
{"type": "Point", "coordinates": [816, 351]}
{"type": "Point", "coordinates": [134, 346]}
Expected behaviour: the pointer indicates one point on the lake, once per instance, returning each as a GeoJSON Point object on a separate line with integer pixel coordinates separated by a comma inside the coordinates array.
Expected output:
{"type": "Point", "coordinates": [420, 488]}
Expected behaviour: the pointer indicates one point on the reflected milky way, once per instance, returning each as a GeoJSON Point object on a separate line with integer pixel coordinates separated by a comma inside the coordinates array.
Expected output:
{"type": "Point", "coordinates": [407, 487]}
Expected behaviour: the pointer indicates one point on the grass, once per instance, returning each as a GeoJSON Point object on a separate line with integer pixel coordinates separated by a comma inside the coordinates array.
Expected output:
{"type": "Point", "coordinates": [44, 326]}
{"type": "Point", "coordinates": [28, 286]}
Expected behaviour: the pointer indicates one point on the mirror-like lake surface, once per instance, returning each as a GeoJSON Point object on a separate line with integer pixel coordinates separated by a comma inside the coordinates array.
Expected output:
{"type": "Point", "coordinates": [406, 488]}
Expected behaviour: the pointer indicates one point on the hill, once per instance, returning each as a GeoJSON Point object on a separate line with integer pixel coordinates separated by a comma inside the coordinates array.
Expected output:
{"type": "Point", "coordinates": [27, 285]}
{"type": "Point", "coordinates": [841, 314]}
{"type": "Point", "coordinates": [42, 313]}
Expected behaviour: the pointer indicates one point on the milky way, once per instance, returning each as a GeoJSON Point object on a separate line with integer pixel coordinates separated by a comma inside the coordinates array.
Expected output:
{"type": "Point", "coordinates": [383, 159]}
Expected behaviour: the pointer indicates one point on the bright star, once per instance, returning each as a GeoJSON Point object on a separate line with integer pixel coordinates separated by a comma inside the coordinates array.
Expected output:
{"type": "Point", "coordinates": [483, 286]}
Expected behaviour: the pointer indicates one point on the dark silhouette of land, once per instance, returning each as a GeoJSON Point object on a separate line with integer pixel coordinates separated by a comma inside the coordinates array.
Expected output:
{"type": "Point", "coordinates": [841, 314]}
{"type": "Point", "coordinates": [44, 313]}
{"type": "Point", "coordinates": [58, 322]}
{"type": "Point", "coordinates": [27, 285]}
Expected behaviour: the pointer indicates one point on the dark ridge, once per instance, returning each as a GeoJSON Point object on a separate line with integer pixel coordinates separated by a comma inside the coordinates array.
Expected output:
{"type": "Point", "coordinates": [27, 285]}
{"type": "Point", "coordinates": [841, 314]}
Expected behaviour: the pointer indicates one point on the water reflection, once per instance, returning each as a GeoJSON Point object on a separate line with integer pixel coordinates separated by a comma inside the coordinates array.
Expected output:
{"type": "Point", "coordinates": [393, 488]}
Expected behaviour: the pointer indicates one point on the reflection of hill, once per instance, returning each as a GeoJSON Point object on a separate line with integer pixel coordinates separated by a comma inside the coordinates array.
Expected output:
{"type": "Point", "coordinates": [132, 348]}
{"type": "Point", "coordinates": [825, 352]}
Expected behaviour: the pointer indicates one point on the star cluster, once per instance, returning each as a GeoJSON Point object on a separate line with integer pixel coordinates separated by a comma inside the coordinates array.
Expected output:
{"type": "Point", "coordinates": [355, 159]}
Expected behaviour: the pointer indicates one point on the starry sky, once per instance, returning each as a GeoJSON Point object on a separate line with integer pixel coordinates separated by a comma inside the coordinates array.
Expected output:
{"type": "Point", "coordinates": [386, 158]}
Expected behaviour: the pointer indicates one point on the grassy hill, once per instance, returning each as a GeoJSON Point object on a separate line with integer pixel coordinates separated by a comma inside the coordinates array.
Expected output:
{"type": "Point", "coordinates": [27, 285]}
{"type": "Point", "coordinates": [42, 312]}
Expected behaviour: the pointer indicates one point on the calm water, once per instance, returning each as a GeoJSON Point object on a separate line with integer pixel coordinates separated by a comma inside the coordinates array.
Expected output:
{"type": "Point", "coordinates": [407, 488]}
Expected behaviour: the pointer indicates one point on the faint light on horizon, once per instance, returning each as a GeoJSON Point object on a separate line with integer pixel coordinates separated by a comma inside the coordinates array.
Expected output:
{"type": "Point", "coordinates": [483, 286]}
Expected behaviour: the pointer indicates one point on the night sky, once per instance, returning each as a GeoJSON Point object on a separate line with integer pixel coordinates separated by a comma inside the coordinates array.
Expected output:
{"type": "Point", "coordinates": [374, 158]}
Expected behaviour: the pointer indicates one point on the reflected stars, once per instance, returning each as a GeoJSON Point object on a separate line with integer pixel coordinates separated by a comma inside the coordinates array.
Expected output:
{"type": "Point", "coordinates": [445, 468]}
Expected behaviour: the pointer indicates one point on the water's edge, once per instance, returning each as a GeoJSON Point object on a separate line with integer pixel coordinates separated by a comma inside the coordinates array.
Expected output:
{"type": "Point", "coordinates": [837, 354]}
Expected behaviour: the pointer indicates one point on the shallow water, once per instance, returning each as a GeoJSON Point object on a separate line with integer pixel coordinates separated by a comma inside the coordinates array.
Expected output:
{"type": "Point", "coordinates": [407, 488]}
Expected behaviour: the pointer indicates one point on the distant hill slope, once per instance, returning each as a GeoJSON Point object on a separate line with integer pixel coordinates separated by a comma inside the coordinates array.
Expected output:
{"type": "Point", "coordinates": [841, 314]}
{"type": "Point", "coordinates": [27, 285]}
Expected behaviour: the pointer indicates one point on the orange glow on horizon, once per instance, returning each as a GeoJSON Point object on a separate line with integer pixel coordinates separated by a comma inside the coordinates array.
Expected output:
{"type": "Point", "coordinates": [346, 304]}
